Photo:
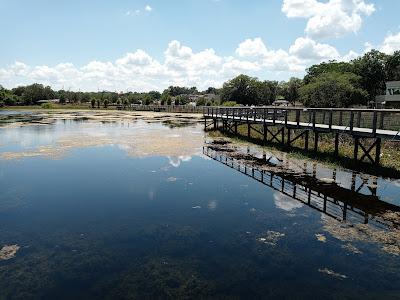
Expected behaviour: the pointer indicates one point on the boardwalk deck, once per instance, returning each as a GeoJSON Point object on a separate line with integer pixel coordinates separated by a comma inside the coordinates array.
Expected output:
{"type": "Point", "coordinates": [357, 123]}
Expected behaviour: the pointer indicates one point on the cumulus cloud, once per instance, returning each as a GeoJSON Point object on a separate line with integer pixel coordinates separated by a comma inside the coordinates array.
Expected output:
{"type": "Point", "coordinates": [391, 43]}
{"type": "Point", "coordinates": [139, 71]}
{"type": "Point", "coordinates": [308, 49]}
{"type": "Point", "coordinates": [148, 8]}
{"type": "Point", "coordinates": [334, 18]}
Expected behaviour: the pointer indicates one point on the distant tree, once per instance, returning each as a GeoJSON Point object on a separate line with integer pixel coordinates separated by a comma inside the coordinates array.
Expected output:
{"type": "Point", "coordinates": [392, 67]}
{"type": "Point", "coordinates": [290, 90]}
{"type": "Point", "coordinates": [371, 69]}
{"type": "Point", "coordinates": [240, 89]}
{"type": "Point", "coordinates": [333, 89]}
{"type": "Point", "coordinates": [249, 91]}
{"type": "Point", "coordinates": [98, 103]}
{"type": "Point", "coordinates": [93, 102]}
{"type": "Point", "coordinates": [105, 103]}
{"type": "Point", "coordinates": [327, 67]}
{"type": "Point", "coordinates": [211, 90]}
{"type": "Point", "coordinates": [35, 92]}
{"type": "Point", "coordinates": [154, 95]}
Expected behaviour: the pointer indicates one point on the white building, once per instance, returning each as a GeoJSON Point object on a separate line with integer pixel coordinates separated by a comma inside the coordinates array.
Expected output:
{"type": "Point", "coordinates": [392, 97]}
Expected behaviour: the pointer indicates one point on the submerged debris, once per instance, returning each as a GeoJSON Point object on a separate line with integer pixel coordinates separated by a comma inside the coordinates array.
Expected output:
{"type": "Point", "coordinates": [332, 273]}
{"type": "Point", "coordinates": [388, 239]}
{"type": "Point", "coordinates": [351, 248]}
{"type": "Point", "coordinates": [320, 237]}
{"type": "Point", "coordinates": [271, 237]}
{"type": "Point", "coordinates": [8, 252]}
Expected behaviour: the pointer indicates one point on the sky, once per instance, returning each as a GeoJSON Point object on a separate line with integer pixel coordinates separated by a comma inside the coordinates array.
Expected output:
{"type": "Point", "coordinates": [128, 45]}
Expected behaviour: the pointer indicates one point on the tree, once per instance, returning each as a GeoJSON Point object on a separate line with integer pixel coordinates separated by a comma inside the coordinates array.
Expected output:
{"type": "Point", "coordinates": [333, 89]}
{"type": "Point", "coordinates": [93, 102]}
{"type": "Point", "coordinates": [154, 95]}
{"type": "Point", "coordinates": [392, 67]}
{"type": "Point", "coordinates": [327, 67]}
{"type": "Point", "coordinates": [290, 90]}
{"type": "Point", "coordinates": [240, 89]}
{"type": "Point", "coordinates": [105, 103]}
{"type": "Point", "coordinates": [371, 69]}
{"type": "Point", "coordinates": [33, 93]}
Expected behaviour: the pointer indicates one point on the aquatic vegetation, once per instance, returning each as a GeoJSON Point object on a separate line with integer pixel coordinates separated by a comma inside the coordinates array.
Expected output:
{"type": "Point", "coordinates": [389, 240]}
{"type": "Point", "coordinates": [320, 237]}
{"type": "Point", "coordinates": [351, 248]}
{"type": "Point", "coordinates": [332, 273]}
{"type": "Point", "coordinates": [8, 252]}
{"type": "Point", "coordinates": [271, 237]}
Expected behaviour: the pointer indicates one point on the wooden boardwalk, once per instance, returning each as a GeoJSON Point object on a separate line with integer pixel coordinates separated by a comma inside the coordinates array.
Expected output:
{"type": "Point", "coordinates": [360, 124]}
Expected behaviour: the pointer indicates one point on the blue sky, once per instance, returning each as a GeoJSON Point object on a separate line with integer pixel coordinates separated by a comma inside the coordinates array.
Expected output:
{"type": "Point", "coordinates": [94, 44]}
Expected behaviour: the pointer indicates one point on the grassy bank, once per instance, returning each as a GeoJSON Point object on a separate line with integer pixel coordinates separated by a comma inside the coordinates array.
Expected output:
{"type": "Point", "coordinates": [389, 160]}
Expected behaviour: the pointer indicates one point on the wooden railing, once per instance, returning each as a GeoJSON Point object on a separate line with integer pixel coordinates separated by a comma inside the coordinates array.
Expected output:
{"type": "Point", "coordinates": [373, 119]}
{"type": "Point", "coordinates": [164, 108]}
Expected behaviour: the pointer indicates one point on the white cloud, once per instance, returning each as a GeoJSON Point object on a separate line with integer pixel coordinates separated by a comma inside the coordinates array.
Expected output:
{"type": "Point", "coordinates": [148, 8]}
{"type": "Point", "coordinates": [286, 203]}
{"type": "Point", "coordinates": [334, 18]}
{"type": "Point", "coordinates": [391, 43]}
{"type": "Point", "coordinates": [251, 47]}
{"type": "Point", "coordinates": [139, 71]}
{"type": "Point", "coordinates": [308, 49]}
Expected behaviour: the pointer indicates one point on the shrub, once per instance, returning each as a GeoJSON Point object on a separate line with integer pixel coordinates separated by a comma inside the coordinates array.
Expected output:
{"type": "Point", "coordinates": [47, 105]}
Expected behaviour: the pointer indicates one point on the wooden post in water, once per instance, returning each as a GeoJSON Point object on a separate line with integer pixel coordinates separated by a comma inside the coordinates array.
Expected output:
{"type": "Point", "coordinates": [248, 129]}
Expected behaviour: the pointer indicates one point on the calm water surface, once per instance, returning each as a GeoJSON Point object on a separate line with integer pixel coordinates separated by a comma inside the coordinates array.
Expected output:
{"type": "Point", "coordinates": [135, 208]}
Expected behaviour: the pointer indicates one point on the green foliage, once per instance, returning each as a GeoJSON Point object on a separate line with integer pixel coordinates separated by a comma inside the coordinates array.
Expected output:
{"type": "Point", "coordinates": [47, 106]}
{"type": "Point", "coordinates": [105, 103]}
{"type": "Point", "coordinates": [93, 102]}
{"type": "Point", "coordinates": [177, 90]}
{"type": "Point", "coordinates": [333, 89]}
{"type": "Point", "coordinates": [392, 67]}
{"type": "Point", "coordinates": [249, 90]}
{"type": "Point", "coordinates": [290, 90]}
{"type": "Point", "coordinates": [181, 100]}
{"type": "Point", "coordinates": [327, 67]}
{"type": "Point", "coordinates": [229, 103]}
{"type": "Point", "coordinates": [371, 69]}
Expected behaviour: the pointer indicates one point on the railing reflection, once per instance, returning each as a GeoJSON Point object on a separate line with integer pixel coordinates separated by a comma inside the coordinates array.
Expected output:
{"type": "Point", "coordinates": [326, 196]}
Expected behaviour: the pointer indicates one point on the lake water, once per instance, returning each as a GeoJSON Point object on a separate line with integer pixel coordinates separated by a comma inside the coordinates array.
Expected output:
{"type": "Point", "coordinates": [131, 206]}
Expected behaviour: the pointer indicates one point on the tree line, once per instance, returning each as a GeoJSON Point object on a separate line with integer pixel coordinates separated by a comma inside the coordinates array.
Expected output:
{"type": "Point", "coordinates": [328, 84]}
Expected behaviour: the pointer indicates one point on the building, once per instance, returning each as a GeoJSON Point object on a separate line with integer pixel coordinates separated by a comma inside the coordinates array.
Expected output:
{"type": "Point", "coordinates": [391, 99]}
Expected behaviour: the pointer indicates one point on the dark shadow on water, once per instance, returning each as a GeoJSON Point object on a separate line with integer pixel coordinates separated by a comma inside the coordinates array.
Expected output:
{"type": "Point", "coordinates": [343, 161]}
{"type": "Point", "coordinates": [324, 195]}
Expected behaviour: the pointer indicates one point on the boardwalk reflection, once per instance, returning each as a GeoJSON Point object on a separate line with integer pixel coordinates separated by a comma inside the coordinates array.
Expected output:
{"type": "Point", "coordinates": [322, 194]}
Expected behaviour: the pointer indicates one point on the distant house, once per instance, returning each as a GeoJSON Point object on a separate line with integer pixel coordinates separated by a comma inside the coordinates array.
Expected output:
{"type": "Point", "coordinates": [280, 103]}
{"type": "Point", "coordinates": [48, 101]}
{"type": "Point", "coordinates": [391, 99]}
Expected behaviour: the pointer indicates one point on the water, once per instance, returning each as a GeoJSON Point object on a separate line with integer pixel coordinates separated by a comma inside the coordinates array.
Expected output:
{"type": "Point", "coordinates": [128, 206]}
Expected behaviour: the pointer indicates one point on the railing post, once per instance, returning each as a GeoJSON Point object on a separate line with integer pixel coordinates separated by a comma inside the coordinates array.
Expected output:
{"type": "Point", "coordinates": [351, 120]}
{"type": "Point", "coordinates": [382, 118]}
{"type": "Point", "coordinates": [274, 116]}
{"type": "Point", "coordinates": [374, 122]}
{"type": "Point", "coordinates": [330, 119]}
{"type": "Point", "coordinates": [313, 118]}
{"type": "Point", "coordinates": [298, 118]}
